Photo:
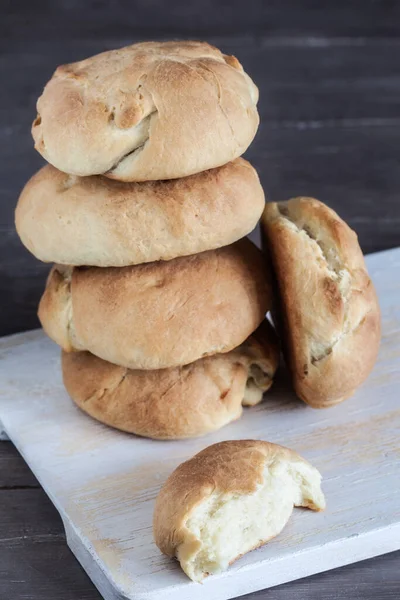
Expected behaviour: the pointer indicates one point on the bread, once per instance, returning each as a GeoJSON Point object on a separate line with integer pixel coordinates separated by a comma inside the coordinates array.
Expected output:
{"type": "Point", "coordinates": [175, 403]}
{"type": "Point", "coordinates": [330, 317]}
{"type": "Point", "coordinates": [155, 110]}
{"type": "Point", "coordinates": [100, 222]}
{"type": "Point", "coordinates": [162, 314]}
{"type": "Point", "coordinates": [229, 499]}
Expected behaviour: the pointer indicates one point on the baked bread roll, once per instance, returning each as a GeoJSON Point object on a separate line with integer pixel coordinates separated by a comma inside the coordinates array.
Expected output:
{"type": "Point", "coordinates": [229, 499]}
{"type": "Point", "coordinates": [155, 110]}
{"type": "Point", "coordinates": [162, 314]}
{"type": "Point", "coordinates": [175, 403]}
{"type": "Point", "coordinates": [96, 221]}
{"type": "Point", "coordinates": [328, 308]}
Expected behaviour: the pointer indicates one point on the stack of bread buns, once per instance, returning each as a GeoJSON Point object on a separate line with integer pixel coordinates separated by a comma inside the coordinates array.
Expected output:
{"type": "Point", "coordinates": [155, 298]}
{"type": "Point", "coordinates": [158, 300]}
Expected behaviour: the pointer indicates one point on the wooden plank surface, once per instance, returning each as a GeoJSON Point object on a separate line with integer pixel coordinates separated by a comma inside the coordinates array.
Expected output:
{"type": "Point", "coordinates": [14, 473]}
{"type": "Point", "coordinates": [63, 19]}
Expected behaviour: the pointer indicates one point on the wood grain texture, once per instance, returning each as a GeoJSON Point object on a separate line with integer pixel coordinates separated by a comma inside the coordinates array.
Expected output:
{"type": "Point", "coordinates": [104, 482]}
{"type": "Point", "coordinates": [14, 473]}
{"type": "Point", "coordinates": [62, 20]}
{"type": "Point", "coordinates": [35, 560]}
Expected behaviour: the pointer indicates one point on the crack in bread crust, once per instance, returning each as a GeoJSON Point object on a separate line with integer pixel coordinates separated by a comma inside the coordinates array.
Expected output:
{"type": "Point", "coordinates": [66, 273]}
{"type": "Point", "coordinates": [219, 96]}
{"type": "Point", "coordinates": [338, 273]}
{"type": "Point", "coordinates": [99, 394]}
{"type": "Point", "coordinates": [145, 123]}
{"type": "Point", "coordinates": [329, 350]}
{"type": "Point", "coordinates": [69, 311]}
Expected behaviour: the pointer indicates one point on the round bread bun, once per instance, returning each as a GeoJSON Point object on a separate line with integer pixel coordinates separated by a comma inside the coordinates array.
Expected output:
{"type": "Point", "coordinates": [180, 402]}
{"type": "Point", "coordinates": [229, 499]}
{"type": "Point", "coordinates": [159, 315]}
{"type": "Point", "coordinates": [96, 221]}
{"type": "Point", "coordinates": [328, 310]}
{"type": "Point", "coordinates": [155, 110]}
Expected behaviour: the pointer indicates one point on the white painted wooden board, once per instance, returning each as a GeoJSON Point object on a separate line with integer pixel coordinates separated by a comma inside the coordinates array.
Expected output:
{"type": "Point", "coordinates": [104, 483]}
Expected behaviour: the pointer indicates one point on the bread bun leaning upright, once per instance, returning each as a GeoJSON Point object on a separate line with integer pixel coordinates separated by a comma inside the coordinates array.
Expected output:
{"type": "Point", "coordinates": [327, 308]}
{"type": "Point", "coordinates": [99, 222]}
{"type": "Point", "coordinates": [150, 111]}
{"type": "Point", "coordinates": [229, 499]}
{"type": "Point", "coordinates": [162, 314]}
{"type": "Point", "coordinates": [176, 403]}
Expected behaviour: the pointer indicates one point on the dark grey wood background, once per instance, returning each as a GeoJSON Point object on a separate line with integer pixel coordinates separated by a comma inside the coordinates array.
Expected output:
{"type": "Point", "coordinates": [329, 79]}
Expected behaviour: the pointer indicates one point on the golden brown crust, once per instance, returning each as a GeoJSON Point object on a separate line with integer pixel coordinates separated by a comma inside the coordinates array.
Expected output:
{"type": "Point", "coordinates": [329, 309]}
{"type": "Point", "coordinates": [163, 314]}
{"type": "Point", "coordinates": [56, 305]}
{"type": "Point", "coordinates": [96, 221]}
{"type": "Point", "coordinates": [155, 110]}
{"type": "Point", "coordinates": [231, 467]}
{"type": "Point", "coordinates": [175, 403]}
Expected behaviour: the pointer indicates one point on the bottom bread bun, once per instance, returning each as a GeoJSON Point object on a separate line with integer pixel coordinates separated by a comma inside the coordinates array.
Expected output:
{"type": "Point", "coordinates": [229, 499]}
{"type": "Point", "coordinates": [179, 402]}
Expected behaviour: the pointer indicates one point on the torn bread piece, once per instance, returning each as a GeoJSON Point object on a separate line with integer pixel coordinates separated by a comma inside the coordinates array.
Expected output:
{"type": "Point", "coordinates": [176, 403]}
{"type": "Point", "coordinates": [229, 499]}
{"type": "Point", "coordinates": [327, 308]}
{"type": "Point", "coordinates": [161, 314]}
{"type": "Point", "coordinates": [150, 111]}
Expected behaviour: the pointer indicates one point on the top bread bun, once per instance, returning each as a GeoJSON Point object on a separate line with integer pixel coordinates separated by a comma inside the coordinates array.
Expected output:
{"type": "Point", "coordinates": [150, 111]}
